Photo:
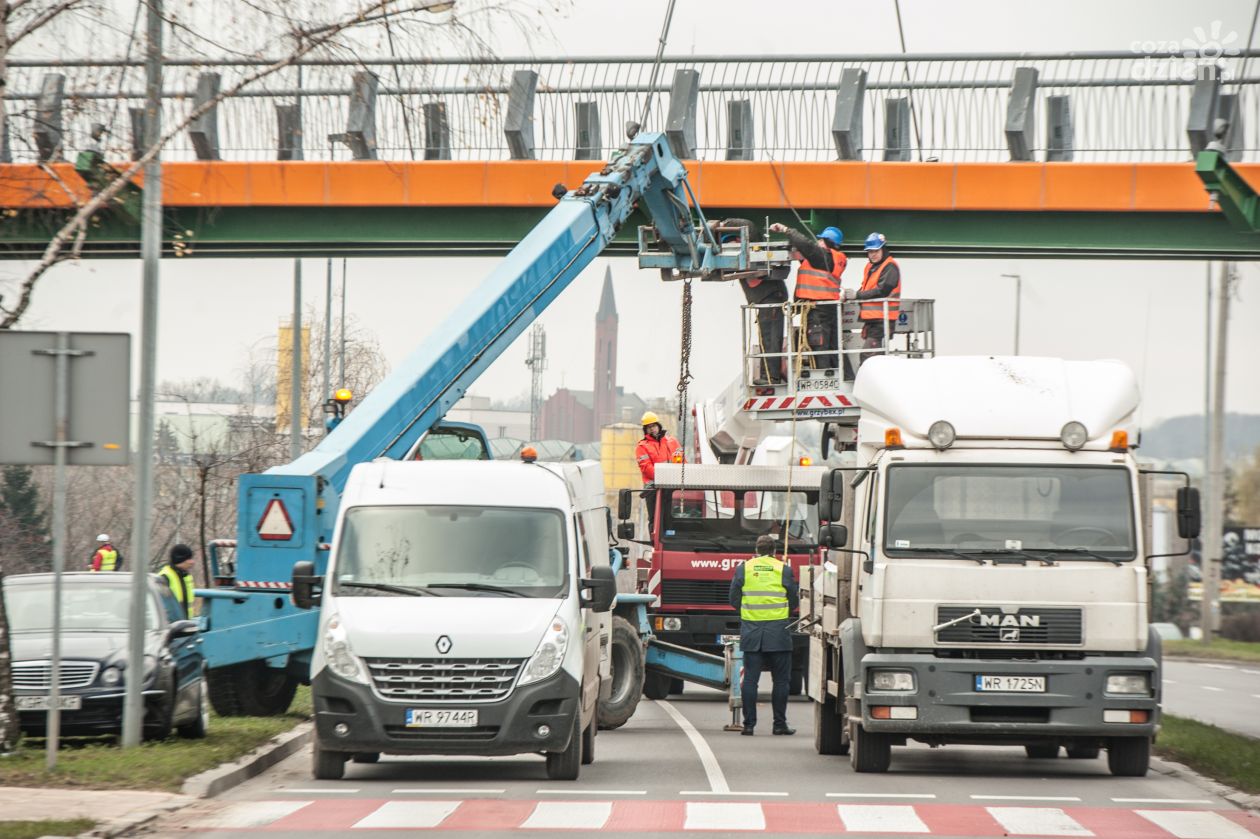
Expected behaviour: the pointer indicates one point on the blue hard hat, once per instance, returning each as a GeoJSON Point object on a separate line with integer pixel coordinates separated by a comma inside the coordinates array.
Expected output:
{"type": "Point", "coordinates": [832, 235]}
{"type": "Point", "coordinates": [875, 241]}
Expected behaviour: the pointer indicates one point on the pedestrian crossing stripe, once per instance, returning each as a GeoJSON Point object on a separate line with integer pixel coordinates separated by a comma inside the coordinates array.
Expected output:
{"type": "Point", "coordinates": [736, 817]}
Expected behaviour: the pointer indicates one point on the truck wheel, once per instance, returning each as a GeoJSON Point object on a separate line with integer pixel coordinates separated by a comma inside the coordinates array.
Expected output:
{"type": "Point", "coordinates": [1083, 752]}
{"type": "Point", "coordinates": [676, 687]}
{"type": "Point", "coordinates": [656, 685]}
{"type": "Point", "coordinates": [1041, 751]}
{"type": "Point", "coordinates": [869, 752]}
{"type": "Point", "coordinates": [326, 765]}
{"type": "Point", "coordinates": [588, 744]}
{"type": "Point", "coordinates": [251, 689]}
{"type": "Point", "coordinates": [828, 730]}
{"type": "Point", "coordinates": [1129, 757]}
{"type": "Point", "coordinates": [627, 676]}
{"type": "Point", "coordinates": [565, 765]}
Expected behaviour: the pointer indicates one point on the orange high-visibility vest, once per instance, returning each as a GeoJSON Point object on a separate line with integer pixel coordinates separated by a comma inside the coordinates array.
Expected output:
{"type": "Point", "coordinates": [816, 284]}
{"type": "Point", "coordinates": [870, 280]}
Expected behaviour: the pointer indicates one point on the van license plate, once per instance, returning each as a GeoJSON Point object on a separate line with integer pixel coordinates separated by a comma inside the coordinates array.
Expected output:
{"type": "Point", "coordinates": [1011, 684]}
{"type": "Point", "coordinates": [41, 703]}
{"type": "Point", "coordinates": [441, 718]}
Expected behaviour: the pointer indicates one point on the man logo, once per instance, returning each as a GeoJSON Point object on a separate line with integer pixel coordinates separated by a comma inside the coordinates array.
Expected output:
{"type": "Point", "coordinates": [1011, 635]}
{"type": "Point", "coordinates": [444, 644]}
{"type": "Point", "coordinates": [1003, 620]}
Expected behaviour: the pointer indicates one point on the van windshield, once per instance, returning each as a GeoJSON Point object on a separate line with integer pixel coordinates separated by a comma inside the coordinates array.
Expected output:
{"type": "Point", "coordinates": [452, 551]}
{"type": "Point", "coordinates": [1060, 512]}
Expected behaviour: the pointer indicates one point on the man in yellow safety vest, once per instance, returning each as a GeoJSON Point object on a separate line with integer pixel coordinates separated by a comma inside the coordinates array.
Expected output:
{"type": "Point", "coordinates": [178, 575]}
{"type": "Point", "coordinates": [764, 591]}
{"type": "Point", "coordinates": [107, 557]}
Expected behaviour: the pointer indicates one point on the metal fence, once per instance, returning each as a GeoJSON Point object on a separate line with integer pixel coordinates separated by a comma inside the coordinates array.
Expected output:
{"type": "Point", "coordinates": [1121, 106]}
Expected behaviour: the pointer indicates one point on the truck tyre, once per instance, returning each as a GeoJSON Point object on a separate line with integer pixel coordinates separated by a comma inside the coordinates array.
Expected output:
{"type": "Point", "coordinates": [828, 730]}
{"type": "Point", "coordinates": [869, 752]}
{"type": "Point", "coordinates": [1129, 757]}
{"type": "Point", "coordinates": [676, 687]}
{"type": "Point", "coordinates": [251, 689]}
{"type": "Point", "coordinates": [656, 685]}
{"type": "Point", "coordinates": [1042, 751]}
{"type": "Point", "coordinates": [1083, 752]}
{"type": "Point", "coordinates": [627, 676]}
{"type": "Point", "coordinates": [327, 765]}
{"type": "Point", "coordinates": [588, 744]}
{"type": "Point", "coordinates": [565, 765]}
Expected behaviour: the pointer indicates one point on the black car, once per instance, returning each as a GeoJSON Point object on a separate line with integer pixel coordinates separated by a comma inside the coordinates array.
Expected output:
{"type": "Point", "coordinates": [94, 666]}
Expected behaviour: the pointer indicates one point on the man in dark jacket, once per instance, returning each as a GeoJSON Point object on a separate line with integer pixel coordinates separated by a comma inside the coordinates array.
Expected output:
{"type": "Point", "coordinates": [764, 591]}
{"type": "Point", "coordinates": [770, 290]}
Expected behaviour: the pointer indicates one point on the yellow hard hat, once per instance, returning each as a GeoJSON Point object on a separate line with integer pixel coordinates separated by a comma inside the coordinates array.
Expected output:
{"type": "Point", "coordinates": [649, 418]}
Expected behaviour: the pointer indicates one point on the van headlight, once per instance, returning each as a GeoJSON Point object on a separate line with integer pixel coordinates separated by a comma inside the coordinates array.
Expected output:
{"type": "Point", "coordinates": [547, 659]}
{"type": "Point", "coordinates": [337, 653]}
{"type": "Point", "coordinates": [1128, 683]}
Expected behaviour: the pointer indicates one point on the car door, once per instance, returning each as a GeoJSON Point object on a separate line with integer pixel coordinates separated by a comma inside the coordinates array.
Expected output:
{"type": "Point", "coordinates": [186, 657]}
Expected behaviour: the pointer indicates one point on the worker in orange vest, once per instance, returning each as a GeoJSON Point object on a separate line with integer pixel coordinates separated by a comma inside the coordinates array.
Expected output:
{"type": "Point", "coordinates": [657, 446]}
{"type": "Point", "coordinates": [880, 280]}
{"type": "Point", "coordinates": [818, 282]}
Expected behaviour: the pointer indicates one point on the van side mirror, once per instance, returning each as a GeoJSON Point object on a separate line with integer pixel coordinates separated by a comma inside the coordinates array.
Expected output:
{"type": "Point", "coordinates": [182, 629]}
{"type": "Point", "coordinates": [831, 496]}
{"type": "Point", "coordinates": [625, 530]}
{"type": "Point", "coordinates": [624, 501]}
{"type": "Point", "coordinates": [599, 590]}
{"type": "Point", "coordinates": [308, 587]}
{"type": "Point", "coordinates": [833, 536]}
{"type": "Point", "coordinates": [1189, 516]}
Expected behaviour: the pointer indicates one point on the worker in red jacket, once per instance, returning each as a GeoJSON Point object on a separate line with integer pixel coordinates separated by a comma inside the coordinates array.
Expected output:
{"type": "Point", "coordinates": [657, 446]}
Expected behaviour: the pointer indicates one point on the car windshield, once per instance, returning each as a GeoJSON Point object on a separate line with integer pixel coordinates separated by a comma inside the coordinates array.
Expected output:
{"type": "Point", "coordinates": [86, 606]}
{"type": "Point", "coordinates": [1062, 512]}
{"type": "Point", "coordinates": [731, 520]}
{"type": "Point", "coordinates": [451, 551]}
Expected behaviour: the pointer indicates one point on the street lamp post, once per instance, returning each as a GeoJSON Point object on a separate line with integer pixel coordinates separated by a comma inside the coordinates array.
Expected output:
{"type": "Point", "coordinates": [1019, 289]}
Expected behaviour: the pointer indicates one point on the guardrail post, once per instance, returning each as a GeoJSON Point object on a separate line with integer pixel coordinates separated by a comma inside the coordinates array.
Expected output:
{"type": "Point", "coordinates": [1227, 108]}
{"type": "Point", "coordinates": [437, 133]}
{"type": "Point", "coordinates": [1060, 139]}
{"type": "Point", "coordinates": [740, 143]}
{"type": "Point", "coordinates": [519, 125]}
{"type": "Point", "coordinates": [48, 136]}
{"type": "Point", "coordinates": [361, 125]}
{"type": "Point", "coordinates": [897, 128]}
{"type": "Point", "coordinates": [846, 127]}
{"type": "Point", "coordinates": [1203, 103]}
{"type": "Point", "coordinates": [1021, 114]}
{"type": "Point", "coordinates": [589, 147]}
{"type": "Point", "coordinates": [680, 124]}
{"type": "Point", "coordinates": [289, 131]}
{"type": "Point", "coordinates": [204, 130]}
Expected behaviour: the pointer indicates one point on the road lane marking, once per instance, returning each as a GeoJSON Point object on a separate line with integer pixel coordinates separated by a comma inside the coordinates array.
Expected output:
{"type": "Point", "coordinates": [409, 814]}
{"type": "Point", "coordinates": [1188, 824]}
{"type": "Point", "coordinates": [568, 815]}
{"type": "Point", "coordinates": [1161, 801]}
{"type": "Point", "coordinates": [1025, 798]}
{"type": "Point", "coordinates": [319, 791]}
{"type": "Point", "coordinates": [724, 816]}
{"type": "Point", "coordinates": [728, 792]}
{"type": "Point", "coordinates": [1214, 690]}
{"type": "Point", "coordinates": [1250, 672]}
{"type": "Point", "coordinates": [881, 818]}
{"type": "Point", "coordinates": [1220, 666]}
{"type": "Point", "coordinates": [1037, 821]}
{"type": "Point", "coordinates": [243, 815]}
{"type": "Point", "coordinates": [562, 791]}
{"type": "Point", "coordinates": [712, 771]}
{"type": "Point", "coordinates": [447, 791]}
{"type": "Point", "coordinates": [881, 795]}
{"type": "Point", "coordinates": [1169, 682]}
{"type": "Point", "coordinates": [1255, 696]}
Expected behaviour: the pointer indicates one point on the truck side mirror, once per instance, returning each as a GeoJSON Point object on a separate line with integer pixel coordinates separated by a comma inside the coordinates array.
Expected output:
{"type": "Point", "coordinates": [599, 590]}
{"type": "Point", "coordinates": [831, 496]}
{"type": "Point", "coordinates": [1189, 516]}
{"type": "Point", "coordinates": [624, 500]}
{"type": "Point", "coordinates": [833, 536]}
{"type": "Point", "coordinates": [625, 530]}
{"type": "Point", "coordinates": [308, 587]}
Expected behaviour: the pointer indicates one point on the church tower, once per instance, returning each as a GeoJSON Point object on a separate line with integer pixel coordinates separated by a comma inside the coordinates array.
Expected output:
{"type": "Point", "coordinates": [605, 381]}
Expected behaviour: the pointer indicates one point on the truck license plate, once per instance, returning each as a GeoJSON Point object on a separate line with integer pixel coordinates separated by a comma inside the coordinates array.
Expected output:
{"type": "Point", "coordinates": [441, 718]}
{"type": "Point", "coordinates": [1011, 684]}
{"type": "Point", "coordinates": [41, 703]}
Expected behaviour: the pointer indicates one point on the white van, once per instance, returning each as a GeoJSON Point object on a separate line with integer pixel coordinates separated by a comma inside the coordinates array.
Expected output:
{"type": "Point", "coordinates": [464, 611]}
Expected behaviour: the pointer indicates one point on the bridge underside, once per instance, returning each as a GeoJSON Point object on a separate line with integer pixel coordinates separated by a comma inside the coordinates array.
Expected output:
{"type": "Point", "coordinates": [362, 208]}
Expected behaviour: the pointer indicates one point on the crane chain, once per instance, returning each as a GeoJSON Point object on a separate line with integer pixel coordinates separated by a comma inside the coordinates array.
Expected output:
{"type": "Point", "coordinates": [684, 378]}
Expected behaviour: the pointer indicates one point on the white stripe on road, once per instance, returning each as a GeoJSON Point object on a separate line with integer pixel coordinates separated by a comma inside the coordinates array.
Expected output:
{"type": "Point", "coordinates": [1169, 682]}
{"type": "Point", "coordinates": [447, 791]}
{"type": "Point", "coordinates": [246, 814]}
{"type": "Point", "coordinates": [881, 795]}
{"type": "Point", "coordinates": [564, 791]}
{"type": "Point", "coordinates": [1037, 821]}
{"type": "Point", "coordinates": [1161, 801]}
{"type": "Point", "coordinates": [1214, 690]}
{"type": "Point", "coordinates": [319, 791]}
{"type": "Point", "coordinates": [880, 818]}
{"type": "Point", "coordinates": [409, 814]}
{"type": "Point", "coordinates": [1255, 696]}
{"type": "Point", "coordinates": [728, 792]}
{"type": "Point", "coordinates": [1220, 666]}
{"type": "Point", "coordinates": [727, 815]}
{"type": "Point", "coordinates": [568, 815]}
{"type": "Point", "coordinates": [1186, 824]}
{"type": "Point", "coordinates": [1025, 798]}
{"type": "Point", "coordinates": [717, 781]}
{"type": "Point", "coordinates": [1250, 672]}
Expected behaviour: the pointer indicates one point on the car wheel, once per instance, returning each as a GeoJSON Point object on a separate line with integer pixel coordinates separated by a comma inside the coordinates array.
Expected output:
{"type": "Point", "coordinates": [158, 717]}
{"type": "Point", "coordinates": [196, 729]}
{"type": "Point", "coordinates": [565, 765]}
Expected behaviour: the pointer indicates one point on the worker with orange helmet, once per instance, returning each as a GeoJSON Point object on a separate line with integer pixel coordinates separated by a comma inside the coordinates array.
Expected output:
{"type": "Point", "coordinates": [657, 446]}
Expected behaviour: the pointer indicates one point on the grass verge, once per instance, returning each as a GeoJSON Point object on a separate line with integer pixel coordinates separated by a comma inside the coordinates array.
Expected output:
{"type": "Point", "coordinates": [1219, 648]}
{"type": "Point", "coordinates": [1226, 757]}
{"type": "Point", "coordinates": [33, 830]}
{"type": "Point", "coordinates": [153, 766]}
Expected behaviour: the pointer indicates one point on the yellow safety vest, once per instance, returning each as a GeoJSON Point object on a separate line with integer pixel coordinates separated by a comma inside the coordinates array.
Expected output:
{"type": "Point", "coordinates": [764, 597]}
{"type": "Point", "coordinates": [109, 559]}
{"type": "Point", "coordinates": [182, 587]}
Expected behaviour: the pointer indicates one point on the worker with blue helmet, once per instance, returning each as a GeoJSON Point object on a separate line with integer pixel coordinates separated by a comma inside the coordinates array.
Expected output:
{"type": "Point", "coordinates": [818, 282]}
{"type": "Point", "coordinates": [881, 281]}
{"type": "Point", "coordinates": [767, 291]}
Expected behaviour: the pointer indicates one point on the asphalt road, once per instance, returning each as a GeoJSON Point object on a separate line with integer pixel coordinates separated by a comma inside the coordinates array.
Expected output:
{"type": "Point", "coordinates": [1223, 694]}
{"type": "Point", "coordinates": [672, 771]}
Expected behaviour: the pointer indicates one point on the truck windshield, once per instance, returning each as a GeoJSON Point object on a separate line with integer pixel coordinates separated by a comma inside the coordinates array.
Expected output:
{"type": "Point", "coordinates": [1060, 512]}
{"type": "Point", "coordinates": [452, 552]}
{"type": "Point", "coordinates": [731, 520]}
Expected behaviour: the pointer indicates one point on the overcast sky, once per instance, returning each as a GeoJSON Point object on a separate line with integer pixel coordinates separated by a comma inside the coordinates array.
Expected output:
{"type": "Point", "coordinates": [1149, 314]}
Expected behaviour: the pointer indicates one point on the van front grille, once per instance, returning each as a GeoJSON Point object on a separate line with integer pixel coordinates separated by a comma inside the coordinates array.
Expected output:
{"type": "Point", "coordinates": [444, 680]}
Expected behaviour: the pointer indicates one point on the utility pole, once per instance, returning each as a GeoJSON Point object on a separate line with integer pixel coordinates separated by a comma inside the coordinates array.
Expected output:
{"type": "Point", "coordinates": [341, 375]}
{"type": "Point", "coordinates": [1210, 600]}
{"type": "Point", "coordinates": [151, 253]}
{"type": "Point", "coordinates": [295, 373]}
{"type": "Point", "coordinates": [1019, 296]}
{"type": "Point", "coordinates": [537, 363]}
{"type": "Point", "coordinates": [325, 393]}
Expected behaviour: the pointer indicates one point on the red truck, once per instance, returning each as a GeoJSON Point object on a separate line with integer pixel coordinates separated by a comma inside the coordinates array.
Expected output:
{"type": "Point", "coordinates": [707, 519]}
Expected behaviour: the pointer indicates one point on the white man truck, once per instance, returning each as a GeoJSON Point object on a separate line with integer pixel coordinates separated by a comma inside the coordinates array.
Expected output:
{"type": "Point", "coordinates": [465, 611]}
{"type": "Point", "coordinates": [987, 581]}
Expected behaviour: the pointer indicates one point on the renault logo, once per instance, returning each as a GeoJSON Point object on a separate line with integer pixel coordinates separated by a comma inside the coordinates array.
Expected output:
{"type": "Point", "coordinates": [444, 644]}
